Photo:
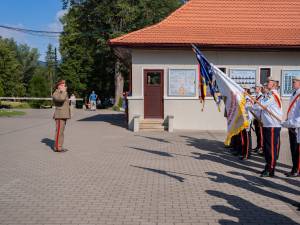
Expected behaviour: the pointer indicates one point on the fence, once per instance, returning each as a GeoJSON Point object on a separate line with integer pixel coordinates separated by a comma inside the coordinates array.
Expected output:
{"type": "Point", "coordinates": [31, 98]}
{"type": "Point", "coordinates": [35, 102]}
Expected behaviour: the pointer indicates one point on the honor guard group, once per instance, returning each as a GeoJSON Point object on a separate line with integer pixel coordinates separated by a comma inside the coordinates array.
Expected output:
{"type": "Point", "coordinates": [265, 113]}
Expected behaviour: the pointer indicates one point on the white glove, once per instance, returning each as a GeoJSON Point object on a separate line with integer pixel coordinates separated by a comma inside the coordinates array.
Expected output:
{"type": "Point", "coordinates": [286, 124]}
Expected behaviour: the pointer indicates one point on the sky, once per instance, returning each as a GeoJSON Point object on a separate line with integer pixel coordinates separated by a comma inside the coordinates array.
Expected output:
{"type": "Point", "coordinates": [35, 15]}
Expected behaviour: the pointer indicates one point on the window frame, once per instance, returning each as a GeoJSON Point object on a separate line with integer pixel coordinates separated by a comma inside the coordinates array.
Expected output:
{"type": "Point", "coordinates": [282, 81]}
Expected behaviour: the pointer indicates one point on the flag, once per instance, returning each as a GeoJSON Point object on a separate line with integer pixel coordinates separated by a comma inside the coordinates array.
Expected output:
{"type": "Point", "coordinates": [206, 77]}
{"type": "Point", "coordinates": [223, 87]}
{"type": "Point", "coordinates": [202, 86]}
{"type": "Point", "coordinates": [235, 101]}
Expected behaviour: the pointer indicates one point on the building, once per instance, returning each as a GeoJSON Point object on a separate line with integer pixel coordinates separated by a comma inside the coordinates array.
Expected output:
{"type": "Point", "coordinates": [248, 40]}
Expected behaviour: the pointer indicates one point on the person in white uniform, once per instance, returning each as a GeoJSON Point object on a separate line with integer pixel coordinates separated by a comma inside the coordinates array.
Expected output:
{"type": "Point", "coordinates": [271, 126]}
{"type": "Point", "coordinates": [293, 124]}
{"type": "Point", "coordinates": [257, 122]}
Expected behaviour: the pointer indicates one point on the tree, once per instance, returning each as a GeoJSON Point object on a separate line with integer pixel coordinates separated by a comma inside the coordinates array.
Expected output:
{"type": "Point", "coordinates": [10, 69]}
{"type": "Point", "coordinates": [38, 86]}
{"type": "Point", "coordinates": [28, 59]}
{"type": "Point", "coordinates": [1, 90]}
{"type": "Point", "coordinates": [51, 65]}
{"type": "Point", "coordinates": [88, 63]}
{"type": "Point", "coordinates": [77, 62]}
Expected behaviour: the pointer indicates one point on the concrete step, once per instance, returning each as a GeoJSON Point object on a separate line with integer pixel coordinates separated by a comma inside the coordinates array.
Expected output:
{"type": "Point", "coordinates": [152, 125]}
{"type": "Point", "coordinates": [154, 130]}
{"type": "Point", "coordinates": [152, 121]}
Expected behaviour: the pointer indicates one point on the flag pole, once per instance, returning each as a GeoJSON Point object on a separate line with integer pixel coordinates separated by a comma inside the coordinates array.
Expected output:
{"type": "Point", "coordinates": [255, 117]}
{"type": "Point", "coordinates": [263, 107]}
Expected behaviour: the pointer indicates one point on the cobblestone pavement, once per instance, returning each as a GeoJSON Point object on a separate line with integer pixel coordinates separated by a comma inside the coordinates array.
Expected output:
{"type": "Point", "coordinates": [113, 176]}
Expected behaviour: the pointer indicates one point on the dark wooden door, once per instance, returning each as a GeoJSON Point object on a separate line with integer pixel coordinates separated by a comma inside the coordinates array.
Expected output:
{"type": "Point", "coordinates": [153, 93]}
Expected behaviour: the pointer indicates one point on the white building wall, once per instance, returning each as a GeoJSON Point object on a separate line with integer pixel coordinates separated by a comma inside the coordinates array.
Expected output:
{"type": "Point", "coordinates": [187, 110]}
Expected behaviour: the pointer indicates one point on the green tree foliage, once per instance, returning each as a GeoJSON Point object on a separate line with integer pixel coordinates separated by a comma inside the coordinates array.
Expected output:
{"type": "Point", "coordinates": [10, 69]}
{"type": "Point", "coordinates": [51, 68]}
{"type": "Point", "coordinates": [28, 59]}
{"type": "Point", "coordinates": [38, 86]}
{"type": "Point", "coordinates": [1, 90]}
{"type": "Point", "coordinates": [88, 63]}
{"type": "Point", "coordinates": [18, 64]}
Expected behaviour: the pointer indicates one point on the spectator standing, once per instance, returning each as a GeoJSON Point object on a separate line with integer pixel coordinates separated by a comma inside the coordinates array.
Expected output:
{"type": "Point", "coordinates": [72, 104]}
{"type": "Point", "coordinates": [93, 99]}
{"type": "Point", "coordinates": [98, 103]}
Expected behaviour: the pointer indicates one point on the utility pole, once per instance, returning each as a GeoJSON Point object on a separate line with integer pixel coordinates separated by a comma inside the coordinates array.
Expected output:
{"type": "Point", "coordinates": [55, 62]}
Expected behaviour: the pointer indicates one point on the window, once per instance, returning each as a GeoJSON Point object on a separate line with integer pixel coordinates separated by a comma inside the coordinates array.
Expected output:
{"type": "Point", "coordinates": [286, 86]}
{"type": "Point", "coordinates": [153, 78]}
{"type": "Point", "coordinates": [265, 73]}
{"type": "Point", "coordinates": [223, 69]}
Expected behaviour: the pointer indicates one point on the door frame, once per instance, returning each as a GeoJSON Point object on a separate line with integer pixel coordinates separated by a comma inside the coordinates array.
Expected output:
{"type": "Point", "coordinates": [145, 71]}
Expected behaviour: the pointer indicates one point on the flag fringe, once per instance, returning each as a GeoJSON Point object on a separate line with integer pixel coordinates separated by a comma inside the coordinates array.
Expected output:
{"type": "Point", "coordinates": [242, 111]}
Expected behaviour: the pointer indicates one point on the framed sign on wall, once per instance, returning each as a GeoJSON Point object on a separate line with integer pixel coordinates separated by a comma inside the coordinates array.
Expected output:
{"type": "Point", "coordinates": [243, 76]}
{"type": "Point", "coordinates": [182, 82]}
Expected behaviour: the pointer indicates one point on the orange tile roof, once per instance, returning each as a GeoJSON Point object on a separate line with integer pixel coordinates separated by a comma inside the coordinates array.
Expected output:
{"type": "Point", "coordinates": [252, 23]}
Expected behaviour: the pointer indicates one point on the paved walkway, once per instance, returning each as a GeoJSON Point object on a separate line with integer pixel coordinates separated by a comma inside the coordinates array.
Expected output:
{"type": "Point", "coordinates": [113, 176]}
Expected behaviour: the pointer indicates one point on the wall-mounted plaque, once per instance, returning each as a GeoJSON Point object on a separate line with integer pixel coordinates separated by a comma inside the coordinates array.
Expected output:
{"type": "Point", "coordinates": [243, 76]}
{"type": "Point", "coordinates": [182, 82]}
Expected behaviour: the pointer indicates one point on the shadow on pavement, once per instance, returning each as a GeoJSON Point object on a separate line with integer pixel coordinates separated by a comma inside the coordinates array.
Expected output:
{"type": "Point", "coordinates": [217, 153]}
{"type": "Point", "coordinates": [49, 142]}
{"type": "Point", "coordinates": [261, 159]}
{"type": "Point", "coordinates": [160, 153]}
{"type": "Point", "coordinates": [153, 139]}
{"type": "Point", "coordinates": [228, 160]}
{"type": "Point", "coordinates": [205, 144]}
{"type": "Point", "coordinates": [114, 119]}
{"type": "Point", "coordinates": [162, 172]}
{"type": "Point", "coordinates": [292, 181]}
{"type": "Point", "coordinates": [267, 183]}
{"type": "Point", "coordinates": [155, 152]}
{"type": "Point", "coordinates": [246, 212]}
{"type": "Point", "coordinates": [253, 185]}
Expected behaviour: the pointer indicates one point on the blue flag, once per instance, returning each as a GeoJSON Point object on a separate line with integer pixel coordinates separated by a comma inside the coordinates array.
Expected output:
{"type": "Point", "coordinates": [207, 73]}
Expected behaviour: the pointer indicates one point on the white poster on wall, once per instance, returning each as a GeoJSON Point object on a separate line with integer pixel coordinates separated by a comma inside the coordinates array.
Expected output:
{"type": "Point", "coordinates": [182, 82]}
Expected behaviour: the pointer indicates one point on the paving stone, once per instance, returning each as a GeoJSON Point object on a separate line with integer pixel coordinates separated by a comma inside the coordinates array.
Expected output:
{"type": "Point", "coordinates": [112, 176]}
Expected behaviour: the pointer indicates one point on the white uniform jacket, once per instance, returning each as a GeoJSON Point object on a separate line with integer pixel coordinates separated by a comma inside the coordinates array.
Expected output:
{"type": "Point", "coordinates": [273, 103]}
{"type": "Point", "coordinates": [293, 114]}
{"type": "Point", "coordinates": [255, 108]}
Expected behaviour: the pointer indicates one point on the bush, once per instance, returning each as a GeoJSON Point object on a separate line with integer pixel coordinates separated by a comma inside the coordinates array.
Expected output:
{"type": "Point", "coordinates": [37, 104]}
{"type": "Point", "coordinates": [116, 108]}
{"type": "Point", "coordinates": [120, 102]}
{"type": "Point", "coordinates": [15, 105]}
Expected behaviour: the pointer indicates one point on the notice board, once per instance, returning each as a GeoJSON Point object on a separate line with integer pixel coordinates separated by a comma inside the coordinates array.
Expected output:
{"type": "Point", "coordinates": [182, 82]}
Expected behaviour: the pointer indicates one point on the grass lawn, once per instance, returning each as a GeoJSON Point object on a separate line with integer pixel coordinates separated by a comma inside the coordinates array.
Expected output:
{"type": "Point", "coordinates": [10, 113]}
{"type": "Point", "coordinates": [16, 105]}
